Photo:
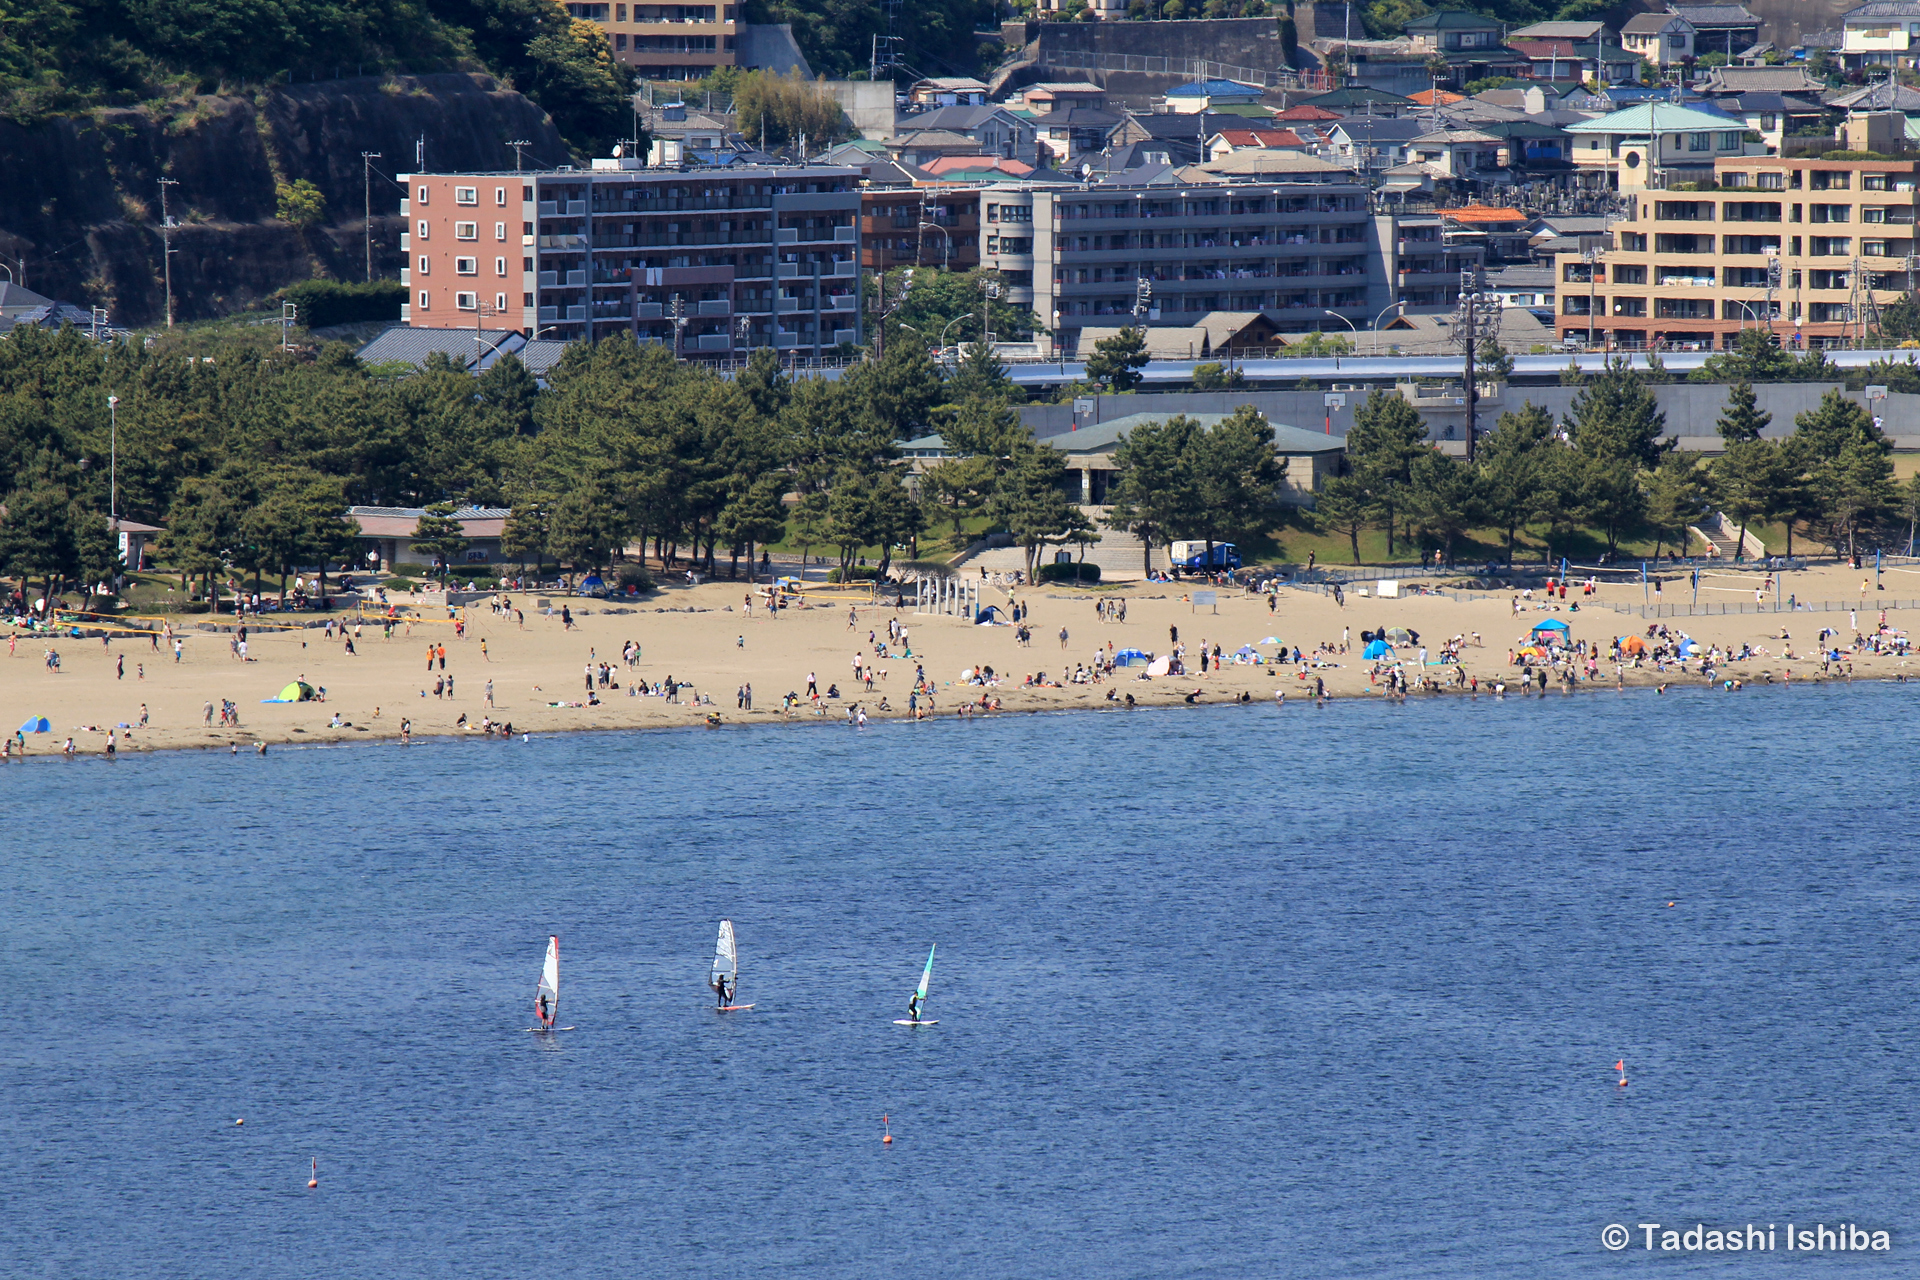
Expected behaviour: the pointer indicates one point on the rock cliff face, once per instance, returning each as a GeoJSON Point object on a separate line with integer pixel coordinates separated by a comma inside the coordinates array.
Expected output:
{"type": "Point", "coordinates": [81, 199]}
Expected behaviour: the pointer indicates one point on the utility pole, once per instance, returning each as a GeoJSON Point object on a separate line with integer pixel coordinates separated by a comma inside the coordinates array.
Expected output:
{"type": "Point", "coordinates": [166, 244]}
{"type": "Point", "coordinates": [289, 312]}
{"type": "Point", "coordinates": [679, 315]}
{"type": "Point", "coordinates": [519, 146]}
{"type": "Point", "coordinates": [366, 175]}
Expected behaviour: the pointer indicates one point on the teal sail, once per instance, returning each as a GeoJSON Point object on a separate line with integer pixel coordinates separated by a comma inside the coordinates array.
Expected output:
{"type": "Point", "coordinates": [926, 979]}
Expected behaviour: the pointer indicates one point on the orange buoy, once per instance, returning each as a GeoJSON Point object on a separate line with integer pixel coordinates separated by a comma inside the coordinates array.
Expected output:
{"type": "Point", "coordinates": [314, 1181]}
{"type": "Point", "coordinates": [240, 1121]}
{"type": "Point", "coordinates": [887, 1137]}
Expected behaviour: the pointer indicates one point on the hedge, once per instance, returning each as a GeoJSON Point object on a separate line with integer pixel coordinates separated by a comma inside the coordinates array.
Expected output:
{"type": "Point", "coordinates": [859, 573]}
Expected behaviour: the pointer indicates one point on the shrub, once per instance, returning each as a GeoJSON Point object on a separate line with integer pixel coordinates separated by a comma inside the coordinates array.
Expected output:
{"type": "Point", "coordinates": [859, 573]}
{"type": "Point", "coordinates": [328, 302]}
{"type": "Point", "coordinates": [1079, 571]}
{"type": "Point", "coordinates": [635, 576]}
{"type": "Point", "coordinates": [398, 584]}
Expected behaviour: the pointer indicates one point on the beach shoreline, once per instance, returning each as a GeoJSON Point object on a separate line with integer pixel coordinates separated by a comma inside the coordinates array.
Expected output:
{"type": "Point", "coordinates": [702, 639]}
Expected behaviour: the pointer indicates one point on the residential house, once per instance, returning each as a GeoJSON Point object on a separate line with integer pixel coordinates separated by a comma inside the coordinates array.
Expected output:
{"type": "Point", "coordinates": [1654, 144]}
{"type": "Point", "coordinates": [1460, 155]}
{"type": "Point", "coordinates": [1369, 145]}
{"type": "Point", "coordinates": [1577, 32]}
{"type": "Point", "coordinates": [1719, 28]}
{"type": "Point", "coordinates": [999, 131]}
{"type": "Point", "coordinates": [1556, 58]}
{"type": "Point", "coordinates": [1228, 141]}
{"type": "Point", "coordinates": [677, 133]}
{"type": "Point", "coordinates": [1069, 134]}
{"type": "Point", "coordinates": [1720, 81]}
{"type": "Point", "coordinates": [921, 147]}
{"type": "Point", "coordinates": [1355, 102]}
{"type": "Point", "coordinates": [1038, 99]}
{"type": "Point", "coordinates": [1534, 148]}
{"type": "Point", "coordinates": [1451, 31]}
{"type": "Point", "coordinates": [1664, 39]}
{"type": "Point", "coordinates": [1211, 95]}
{"type": "Point", "coordinates": [1885, 33]}
{"type": "Point", "coordinates": [947, 91]}
{"type": "Point", "coordinates": [1502, 233]}
{"type": "Point", "coordinates": [1776, 116]}
{"type": "Point", "coordinates": [1528, 285]}
{"type": "Point", "coordinates": [1468, 43]}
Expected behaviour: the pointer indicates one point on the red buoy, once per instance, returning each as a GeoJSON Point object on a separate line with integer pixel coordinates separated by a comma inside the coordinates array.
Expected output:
{"type": "Point", "coordinates": [314, 1181]}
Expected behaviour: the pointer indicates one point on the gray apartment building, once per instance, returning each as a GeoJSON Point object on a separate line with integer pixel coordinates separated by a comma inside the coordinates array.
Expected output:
{"type": "Point", "coordinates": [710, 261]}
{"type": "Point", "coordinates": [1296, 248]}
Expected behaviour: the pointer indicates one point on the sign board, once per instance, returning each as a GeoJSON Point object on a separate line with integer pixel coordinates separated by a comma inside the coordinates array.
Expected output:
{"type": "Point", "coordinates": [1387, 589]}
{"type": "Point", "coordinates": [1210, 599]}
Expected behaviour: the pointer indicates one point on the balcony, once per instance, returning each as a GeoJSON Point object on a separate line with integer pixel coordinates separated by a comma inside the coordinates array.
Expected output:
{"type": "Point", "coordinates": [575, 242]}
{"type": "Point", "coordinates": [1670, 279]}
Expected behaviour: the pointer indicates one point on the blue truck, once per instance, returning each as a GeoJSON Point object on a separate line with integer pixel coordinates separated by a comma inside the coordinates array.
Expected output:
{"type": "Point", "coordinates": [1192, 556]}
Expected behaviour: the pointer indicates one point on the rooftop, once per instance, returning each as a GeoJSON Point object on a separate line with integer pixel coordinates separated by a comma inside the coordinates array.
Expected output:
{"type": "Point", "coordinates": [1452, 20]}
{"type": "Point", "coordinates": [1715, 15]}
{"type": "Point", "coordinates": [1559, 31]}
{"type": "Point", "coordinates": [1649, 24]}
{"type": "Point", "coordinates": [1656, 117]}
{"type": "Point", "coordinates": [1214, 89]}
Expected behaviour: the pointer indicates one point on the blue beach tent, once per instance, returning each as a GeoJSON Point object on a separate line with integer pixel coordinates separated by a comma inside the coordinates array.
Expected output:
{"type": "Point", "coordinates": [1376, 649]}
{"type": "Point", "coordinates": [36, 725]}
{"type": "Point", "coordinates": [1551, 624]}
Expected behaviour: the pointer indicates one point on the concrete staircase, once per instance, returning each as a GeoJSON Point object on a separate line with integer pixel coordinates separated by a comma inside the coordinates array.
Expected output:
{"type": "Point", "coordinates": [1723, 535]}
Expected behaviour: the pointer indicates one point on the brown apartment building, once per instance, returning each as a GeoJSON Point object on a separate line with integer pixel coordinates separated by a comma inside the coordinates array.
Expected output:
{"type": "Point", "coordinates": [710, 261]}
{"type": "Point", "coordinates": [920, 227]}
{"type": "Point", "coordinates": [1807, 248]}
{"type": "Point", "coordinates": [667, 41]}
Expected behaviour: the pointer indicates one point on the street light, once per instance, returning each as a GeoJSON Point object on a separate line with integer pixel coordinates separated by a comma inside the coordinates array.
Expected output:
{"type": "Point", "coordinates": [1342, 319]}
{"type": "Point", "coordinates": [1394, 306]}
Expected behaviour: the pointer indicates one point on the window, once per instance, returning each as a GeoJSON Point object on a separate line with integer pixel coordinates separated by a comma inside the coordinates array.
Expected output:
{"type": "Point", "coordinates": [1874, 248]}
{"type": "Point", "coordinates": [500, 303]}
{"type": "Point", "coordinates": [423, 301]}
{"type": "Point", "coordinates": [1625, 274]}
{"type": "Point", "coordinates": [526, 193]}
{"type": "Point", "coordinates": [1873, 182]}
{"type": "Point", "coordinates": [466, 195]}
{"type": "Point", "coordinates": [466, 302]}
{"type": "Point", "coordinates": [500, 197]}
{"type": "Point", "coordinates": [500, 232]}
{"type": "Point", "coordinates": [466, 266]}
{"type": "Point", "coordinates": [526, 299]}
{"type": "Point", "coordinates": [500, 267]}
{"type": "Point", "coordinates": [619, 13]}
{"type": "Point", "coordinates": [425, 263]}
{"type": "Point", "coordinates": [466, 231]}
{"type": "Point", "coordinates": [1829, 246]}
{"type": "Point", "coordinates": [1730, 140]}
{"type": "Point", "coordinates": [1770, 182]}
{"type": "Point", "coordinates": [1633, 242]}
{"type": "Point", "coordinates": [420, 228]}
{"type": "Point", "coordinates": [1630, 306]}
{"type": "Point", "coordinates": [1699, 142]}
{"type": "Point", "coordinates": [619, 42]}
{"type": "Point", "coordinates": [420, 194]}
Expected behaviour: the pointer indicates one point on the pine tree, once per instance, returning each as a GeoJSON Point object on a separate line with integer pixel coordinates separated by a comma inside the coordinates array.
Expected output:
{"type": "Point", "coordinates": [1387, 435]}
{"type": "Point", "coordinates": [1742, 419]}
{"type": "Point", "coordinates": [1513, 461]}
{"type": "Point", "coordinates": [1117, 361]}
{"type": "Point", "coordinates": [1153, 486]}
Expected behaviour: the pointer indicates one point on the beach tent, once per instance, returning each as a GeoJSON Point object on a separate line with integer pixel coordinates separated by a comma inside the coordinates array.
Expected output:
{"type": "Point", "coordinates": [1271, 640]}
{"type": "Point", "coordinates": [1246, 651]}
{"type": "Point", "coordinates": [592, 582]}
{"type": "Point", "coordinates": [1127, 657]}
{"type": "Point", "coordinates": [1160, 666]}
{"type": "Point", "coordinates": [1688, 648]}
{"type": "Point", "coordinates": [1632, 644]}
{"type": "Point", "coordinates": [1377, 649]}
{"type": "Point", "coordinates": [991, 616]}
{"type": "Point", "coordinates": [1551, 624]}
{"type": "Point", "coordinates": [1399, 635]}
{"type": "Point", "coordinates": [298, 691]}
{"type": "Point", "coordinates": [36, 725]}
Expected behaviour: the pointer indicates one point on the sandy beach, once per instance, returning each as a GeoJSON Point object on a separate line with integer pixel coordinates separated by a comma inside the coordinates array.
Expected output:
{"type": "Point", "coordinates": [702, 637]}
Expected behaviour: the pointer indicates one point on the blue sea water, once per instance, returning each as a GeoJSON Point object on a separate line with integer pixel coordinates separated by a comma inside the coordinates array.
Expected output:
{"type": "Point", "coordinates": [1222, 993]}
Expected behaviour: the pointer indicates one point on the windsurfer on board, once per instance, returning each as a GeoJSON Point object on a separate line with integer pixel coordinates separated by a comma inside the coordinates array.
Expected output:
{"type": "Point", "coordinates": [720, 991]}
{"type": "Point", "coordinates": [540, 1008]}
{"type": "Point", "coordinates": [913, 1006]}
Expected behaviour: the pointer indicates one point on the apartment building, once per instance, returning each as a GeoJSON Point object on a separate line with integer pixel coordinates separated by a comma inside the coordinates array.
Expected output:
{"type": "Point", "coordinates": [1807, 248]}
{"type": "Point", "coordinates": [920, 227]}
{"type": "Point", "coordinates": [711, 262]}
{"type": "Point", "coordinates": [1295, 247]}
{"type": "Point", "coordinates": [1423, 259]}
{"type": "Point", "coordinates": [667, 41]}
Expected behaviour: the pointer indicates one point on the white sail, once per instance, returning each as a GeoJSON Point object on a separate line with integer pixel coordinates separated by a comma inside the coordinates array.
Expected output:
{"type": "Point", "coordinates": [726, 960]}
{"type": "Point", "coordinates": [550, 982]}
